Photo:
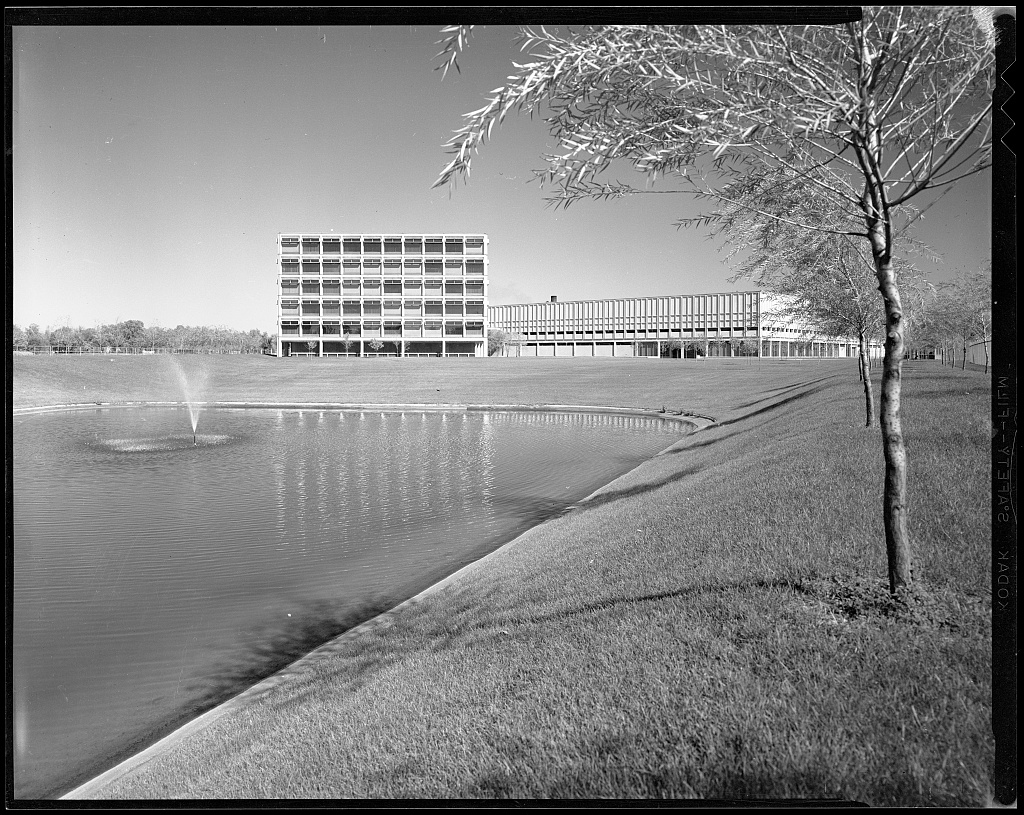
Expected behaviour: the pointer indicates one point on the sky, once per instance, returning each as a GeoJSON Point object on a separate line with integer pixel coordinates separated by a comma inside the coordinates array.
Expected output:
{"type": "Point", "coordinates": [154, 166]}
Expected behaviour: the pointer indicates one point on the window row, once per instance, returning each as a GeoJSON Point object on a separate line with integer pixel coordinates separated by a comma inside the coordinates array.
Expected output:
{"type": "Point", "coordinates": [373, 288]}
{"type": "Point", "coordinates": [375, 245]}
{"type": "Point", "coordinates": [314, 268]}
{"type": "Point", "coordinates": [408, 308]}
{"type": "Point", "coordinates": [372, 328]}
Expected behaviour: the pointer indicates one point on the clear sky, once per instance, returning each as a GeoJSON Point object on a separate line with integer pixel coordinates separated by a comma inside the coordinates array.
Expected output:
{"type": "Point", "coordinates": [153, 168]}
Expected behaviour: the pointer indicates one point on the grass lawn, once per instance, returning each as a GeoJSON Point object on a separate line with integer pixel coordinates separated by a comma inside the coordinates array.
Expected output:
{"type": "Point", "coordinates": [715, 624]}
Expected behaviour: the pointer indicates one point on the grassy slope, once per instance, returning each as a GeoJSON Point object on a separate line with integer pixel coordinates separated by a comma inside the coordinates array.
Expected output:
{"type": "Point", "coordinates": [714, 624]}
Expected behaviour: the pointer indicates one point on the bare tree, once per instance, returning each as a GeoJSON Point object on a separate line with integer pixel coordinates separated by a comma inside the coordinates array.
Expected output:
{"type": "Point", "coordinates": [875, 114]}
{"type": "Point", "coordinates": [963, 312]}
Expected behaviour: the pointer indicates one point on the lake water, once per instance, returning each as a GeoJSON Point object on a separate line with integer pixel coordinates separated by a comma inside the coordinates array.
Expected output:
{"type": "Point", "coordinates": [154, 577]}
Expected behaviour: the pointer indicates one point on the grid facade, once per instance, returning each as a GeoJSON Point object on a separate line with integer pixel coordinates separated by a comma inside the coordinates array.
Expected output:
{"type": "Point", "coordinates": [382, 295]}
{"type": "Point", "coordinates": [720, 324]}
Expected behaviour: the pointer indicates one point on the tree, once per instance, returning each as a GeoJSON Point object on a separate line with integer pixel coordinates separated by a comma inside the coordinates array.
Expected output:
{"type": "Point", "coordinates": [376, 344]}
{"type": "Point", "coordinates": [875, 114]}
{"type": "Point", "coordinates": [497, 340]}
{"type": "Point", "coordinates": [346, 340]}
{"type": "Point", "coordinates": [33, 336]}
{"type": "Point", "coordinates": [963, 311]}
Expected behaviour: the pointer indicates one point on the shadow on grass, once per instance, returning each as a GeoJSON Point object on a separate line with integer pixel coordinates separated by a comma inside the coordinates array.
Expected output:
{"type": "Point", "coordinates": [774, 405]}
{"type": "Point", "coordinates": [279, 644]}
{"type": "Point", "coordinates": [465, 620]}
{"type": "Point", "coordinates": [773, 393]}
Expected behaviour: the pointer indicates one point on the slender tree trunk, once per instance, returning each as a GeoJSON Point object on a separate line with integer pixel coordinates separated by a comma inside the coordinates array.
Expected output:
{"type": "Point", "coordinates": [963, 359]}
{"type": "Point", "coordinates": [895, 503]}
{"type": "Point", "coordinates": [865, 376]}
{"type": "Point", "coordinates": [984, 341]}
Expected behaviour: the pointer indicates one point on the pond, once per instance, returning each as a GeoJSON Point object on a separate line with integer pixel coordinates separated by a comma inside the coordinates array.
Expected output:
{"type": "Point", "coordinates": [155, 574]}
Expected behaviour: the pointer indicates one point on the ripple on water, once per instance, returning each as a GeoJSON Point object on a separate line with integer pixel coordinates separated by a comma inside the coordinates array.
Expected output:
{"type": "Point", "coordinates": [162, 443]}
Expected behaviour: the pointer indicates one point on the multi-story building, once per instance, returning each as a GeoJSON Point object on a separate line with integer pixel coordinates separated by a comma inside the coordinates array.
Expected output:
{"type": "Point", "coordinates": [384, 295]}
{"type": "Point", "coordinates": [743, 323]}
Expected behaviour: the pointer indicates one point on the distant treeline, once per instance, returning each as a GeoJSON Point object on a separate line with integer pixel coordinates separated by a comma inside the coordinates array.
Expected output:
{"type": "Point", "coordinates": [134, 335]}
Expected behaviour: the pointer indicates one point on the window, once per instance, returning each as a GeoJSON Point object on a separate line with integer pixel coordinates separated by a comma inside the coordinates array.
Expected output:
{"type": "Point", "coordinates": [413, 267]}
{"type": "Point", "coordinates": [332, 246]}
{"type": "Point", "coordinates": [475, 307]}
{"type": "Point", "coordinates": [474, 246]}
{"type": "Point", "coordinates": [412, 287]}
{"type": "Point", "coordinates": [351, 267]}
{"type": "Point", "coordinates": [333, 328]}
{"type": "Point", "coordinates": [474, 289]}
{"type": "Point", "coordinates": [289, 327]}
{"type": "Point", "coordinates": [453, 288]}
{"type": "Point", "coordinates": [432, 328]}
{"type": "Point", "coordinates": [371, 246]}
{"type": "Point", "coordinates": [310, 328]}
{"type": "Point", "coordinates": [433, 307]}
{"type": "Point", "coordinates": [371, 286]}
{"type": "Point", "coordinates": [310, 307]}
{"type": "Point", "coordinates": [289, 306]}
{"type": "Point", "coordinates": [414, 328]}
{"type": "Point", "coordinates": [310, 246]}
{"type": "Point", "coordinates": [414, 246]}
{"type": "Point", "coordinates": [289, 246]}
{"type": "Point", "coordinates": [351, 246]}
{"type": "Point", "coordinates": [392, 308]}
{"type": "Point", "coordinates": [311, 287]}
{"type": "Point", "coordinates": [413, 307]}
{"type": "Point", "coordinates": [371, 308]}
{"type": "Point", "coordinates": [433, 246]}
{"type": "Point", "coordinates": [351, 328]}
{"type": "Point", "coordinates": [332, 265]}
{"type": "Point", "coordinates": [332, 308]}
{"type": "Point", "coordinates": [332, 288]}
{"type": "Point", "coordinates": [433, 267]}
{"type": "Point", "coordinates": [289, 286]}
{"type": "Point", "coordinates": [453, 307]}
{"type": "Point", "coordinates": [453, 329]}
{"type": "Point", "coordinates": [392, 329]}
{"type": "Point", "coordinates": [371, 328]}
{"type": "Point", "coordinates": [475, 267]}
{"type": "Point", "coordinates": [351, 308]}
{"type": "Point", "coordinates": [392, 287]}
{"type": "Point", "coordinates": [290, 266]}
{"type": "Point", "coordinates": [453, 246]}
{"type": "Point", "coordinates": [392, 246]}
{"type": "Point", "coordinates": [371, 266]}
{"type": "Point", "coordinates": [453, 268]}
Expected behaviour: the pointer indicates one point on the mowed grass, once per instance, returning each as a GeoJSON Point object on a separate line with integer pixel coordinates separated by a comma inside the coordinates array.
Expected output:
{"type": "Point", "coordinates": [713, 625]}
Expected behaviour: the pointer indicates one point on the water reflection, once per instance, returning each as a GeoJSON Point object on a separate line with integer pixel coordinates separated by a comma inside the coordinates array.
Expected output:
{"type": "Point", "coordinates": [148, 572]}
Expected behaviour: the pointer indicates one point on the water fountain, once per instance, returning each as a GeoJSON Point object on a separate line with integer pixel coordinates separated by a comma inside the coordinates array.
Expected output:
{"type": "Point", "coordinates": [193, 385]}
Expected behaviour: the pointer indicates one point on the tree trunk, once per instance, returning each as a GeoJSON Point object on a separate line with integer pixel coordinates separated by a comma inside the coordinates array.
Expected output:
{"type": "Point", "coordinates": [895, 508]}
{"type": "Point", "coordinates": [963, 359]}
{"type": "Point", "coordinates": [984, 341]}
{"type": "Point", "coordinates": [869, 394]}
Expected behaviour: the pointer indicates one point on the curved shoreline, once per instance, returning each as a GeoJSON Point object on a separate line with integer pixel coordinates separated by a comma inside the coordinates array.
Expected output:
{"type": "Point", "coordinates": [256, 691]}
{"type": "Point", "coordinates": [681, 416]}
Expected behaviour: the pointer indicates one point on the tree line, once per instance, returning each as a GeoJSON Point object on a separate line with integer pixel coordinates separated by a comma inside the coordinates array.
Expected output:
{"type": "Point", "coordinates": [133, 335]}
